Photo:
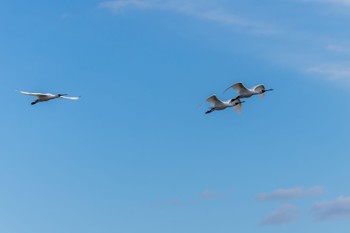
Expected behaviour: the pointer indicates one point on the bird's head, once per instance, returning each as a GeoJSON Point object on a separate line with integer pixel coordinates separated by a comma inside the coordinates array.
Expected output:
{"type": "Point", "coordinates": [238, 101]}
{"type": "Point", "coordinates": [59, 95]}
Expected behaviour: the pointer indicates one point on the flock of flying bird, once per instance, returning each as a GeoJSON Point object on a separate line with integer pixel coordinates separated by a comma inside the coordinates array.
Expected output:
{"type": "Point", "coordinates": [216, 103]}
{"type": "Point", "coordinates": [236, 103]}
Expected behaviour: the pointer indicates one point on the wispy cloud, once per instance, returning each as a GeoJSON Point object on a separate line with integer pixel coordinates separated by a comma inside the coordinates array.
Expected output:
{"type": "Point", "coordinates": [333, 72]}
{"type": "Point", "coordinates": [295, 45]}
{"type": "Point", "coordinates": [292, 193]}
{"type": "Point", "coordinates": [209, 195]}
{"type": "Point", "coordinates": [338, 49]}
{"type": "Point", "coordinates": [115, 6]}
{"type": "Point", "coordinates": [283, 215]}
{"type": "Point", "coordinates": [343, 2]}
{"type": "Point", "coordinates": [332, 210]}
{"type": "Point", "coordinates": [198, 9]}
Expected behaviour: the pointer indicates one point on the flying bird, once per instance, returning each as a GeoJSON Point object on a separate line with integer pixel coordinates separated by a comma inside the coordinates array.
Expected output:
{"type": "Point", "coordinates": [41, 97]}
{"type": "Point", "coordinates": [221, 105]}
{"type": "Point", "coordinates": [244, 92]}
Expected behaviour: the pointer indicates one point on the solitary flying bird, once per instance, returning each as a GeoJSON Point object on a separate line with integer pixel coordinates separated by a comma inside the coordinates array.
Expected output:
{"type": "Point", "coordinates": [221, 105]}
{"type": "Point", "coordinates": [41, 97]}
{"type": "Point", "coordinates": [244, 92]}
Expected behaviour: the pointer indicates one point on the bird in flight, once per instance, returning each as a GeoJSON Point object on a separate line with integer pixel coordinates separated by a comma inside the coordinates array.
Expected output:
{"type": "Point", "coordinates": [217, 104]}
{"type": "Point", "coordinates": [244, 92]}
{"type": "Point", "coordinates": [41, 97]}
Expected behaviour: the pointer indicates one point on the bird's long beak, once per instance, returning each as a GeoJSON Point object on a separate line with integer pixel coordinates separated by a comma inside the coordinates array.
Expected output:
{"type": "Point", "coordinates": [269, 90]}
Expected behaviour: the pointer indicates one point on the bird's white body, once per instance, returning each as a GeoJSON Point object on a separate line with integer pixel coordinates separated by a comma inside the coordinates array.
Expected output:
{"type": "Point", "coordinates": [41, 97]}
{"type": "Point", "coordinates": [221, 105]}
{"type": "Point", "coordinates": [244, 92]}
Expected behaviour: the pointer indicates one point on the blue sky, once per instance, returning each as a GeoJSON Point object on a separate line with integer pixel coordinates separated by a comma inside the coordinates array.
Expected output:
{"type": "Point", "coordinates": [135, 154]}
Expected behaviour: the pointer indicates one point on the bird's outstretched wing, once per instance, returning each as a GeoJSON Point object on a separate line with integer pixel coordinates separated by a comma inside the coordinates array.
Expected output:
{"type": "Point", "coordinates": [258, 88]}
{"type": "Point", "coordinates": [238, 106]}
{"type": "Point", "coordinates": [214, 100]}
{"type": "Point", "coordinates": [71, 97]}
{"type": "Point", "coordinates": [238, 87]}
{"type": "Point", "coordinates": [33, 94]}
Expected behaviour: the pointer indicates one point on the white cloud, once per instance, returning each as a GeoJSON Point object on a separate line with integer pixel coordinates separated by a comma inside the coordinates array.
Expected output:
{"type": "Point", "coordinates": [283, 194]}
{"type": "Point", "coordinates": [338, 49]}
{"type": "Point", "coordinates": [333, 72]}
{"type": "Point", "coordinates": [332, 210]}
{"type": "Point", "coordinates": [294, 45]}
{"type": "Point", "coordinates": [343, 2]}
{"type": "Point", "coordinates": [120, 4]}
{"type": "Point", "coordinates": [198, 9]}
{"type": "Point", "coordinates": [283, 215]}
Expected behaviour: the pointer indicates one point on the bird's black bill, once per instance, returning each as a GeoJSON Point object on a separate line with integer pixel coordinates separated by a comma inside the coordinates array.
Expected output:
{"type": "Point", "coordinates": [209, 111]}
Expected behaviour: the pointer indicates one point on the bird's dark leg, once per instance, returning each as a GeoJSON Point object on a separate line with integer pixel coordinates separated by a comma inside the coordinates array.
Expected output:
{"type": "Point", "coordinates": [210, 110]}
{"type": "Point", "coordinates": [36, 101]}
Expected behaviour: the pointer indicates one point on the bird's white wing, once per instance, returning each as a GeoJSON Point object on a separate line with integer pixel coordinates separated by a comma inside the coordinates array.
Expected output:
{"type": "Point", "coordinates": [214, 100]}
{"type": "Point", "coordinates": [71, 97]}
{"type": "Point", "coordinates": [258, 88]}
{"type": "Point", "coordinates": [238, 87]}
{"type": "Point", "coordinates": [238, 106]}
{"type": "Point", "coordinates": [34, 94]}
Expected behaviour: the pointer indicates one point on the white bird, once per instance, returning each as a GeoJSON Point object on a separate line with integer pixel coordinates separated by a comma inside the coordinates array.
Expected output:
{"type": "Point", "coordinates": [41, 97]}
{"type": "Point", "coordinates": [244, 92]}
{"type": "Point", "coordinates": [221, 105]}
